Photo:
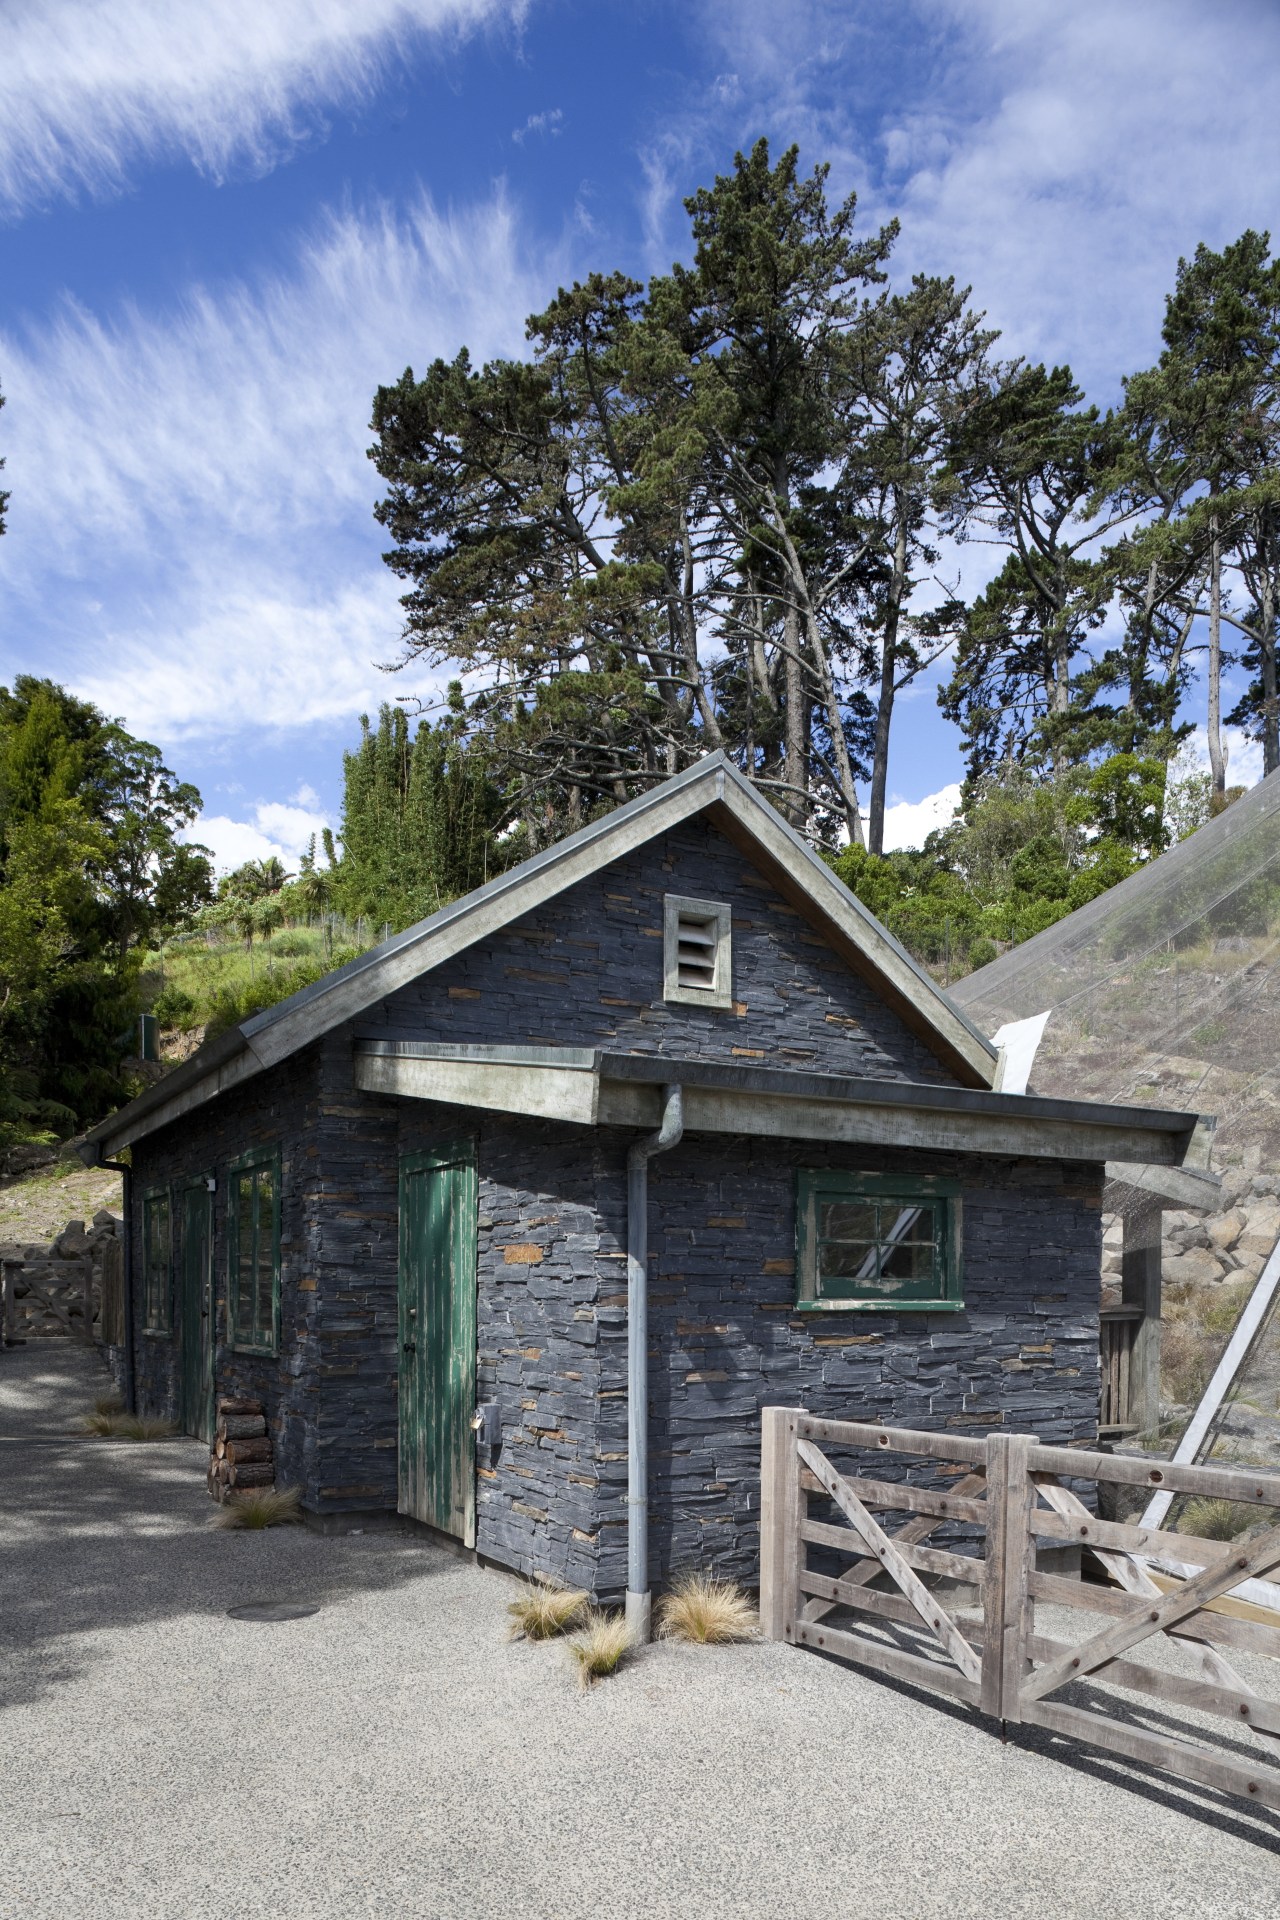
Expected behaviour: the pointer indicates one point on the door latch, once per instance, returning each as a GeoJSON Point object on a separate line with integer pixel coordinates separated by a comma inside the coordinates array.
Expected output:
{"type": "Point", "coordinates": [409, 1346]}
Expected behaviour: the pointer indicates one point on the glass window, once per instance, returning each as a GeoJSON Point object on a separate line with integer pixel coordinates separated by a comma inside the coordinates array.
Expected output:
{"type": "Point", "coordinates": [253, 1244]}
{"type": "Point", "coordinates": [157, 1253]}
{"type": "Point", "coordinates": [874, 1240]}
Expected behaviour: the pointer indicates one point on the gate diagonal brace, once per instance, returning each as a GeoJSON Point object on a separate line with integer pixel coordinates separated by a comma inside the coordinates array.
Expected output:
{"type": "Point", "coordinates": [1129, 1573]}
{"type": "Point", "coordinates": [933, 1616]}
{"type": "Point", "coordinates": [1174, 1607]}
{"type": "Point", "coordinates": [912, 1533]}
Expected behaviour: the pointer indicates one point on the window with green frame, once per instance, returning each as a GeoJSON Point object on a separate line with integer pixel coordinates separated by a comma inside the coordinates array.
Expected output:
{"type": "Point", "coordinates": [157, 1260]}
{"type": "Point", "coordinates": [878, 1241]}
{"type": "Point", "coordinates": [253, 1252]}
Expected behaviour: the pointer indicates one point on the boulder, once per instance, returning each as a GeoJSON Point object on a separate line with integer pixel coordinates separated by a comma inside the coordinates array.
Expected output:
{"type": "Point", "coordinates": [72, 1243]}
{"type": "Point", "coordinates": [1261, 1230]}
{"type": "Point", "coordinates": [25, 1159]}
{"type": "Point", "coordinates": [1198, 1267]}
{"type": "Point", "coordinates": [105, 1219]}
{"type": "Point", "coordinates": [1225, 1229]}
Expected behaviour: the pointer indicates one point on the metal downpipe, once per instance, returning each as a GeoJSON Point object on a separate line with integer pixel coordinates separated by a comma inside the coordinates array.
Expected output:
{"type": "Point", "coordinates": [638, 1158]}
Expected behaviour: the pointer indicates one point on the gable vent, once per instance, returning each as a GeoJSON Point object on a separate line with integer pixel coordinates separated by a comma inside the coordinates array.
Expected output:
{"type": "Point", "coordinates": [697, 964]}
{"type": "Point", "coordinates": [696, 952]}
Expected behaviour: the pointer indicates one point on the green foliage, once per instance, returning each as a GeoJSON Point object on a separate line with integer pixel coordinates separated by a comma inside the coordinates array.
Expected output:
{"type": "Point", "coordinates": [418, 819]}
{"type": "Point", "coordinates": [1022, 855]}
{"type": "Point", "coordinates": [90, 865]}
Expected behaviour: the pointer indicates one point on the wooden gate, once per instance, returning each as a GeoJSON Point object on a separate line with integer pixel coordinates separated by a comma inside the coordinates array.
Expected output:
{"type": "Point", "coordinates": [1004, 1494]}
{"type": "Point", "coordinates": [437, 1375]}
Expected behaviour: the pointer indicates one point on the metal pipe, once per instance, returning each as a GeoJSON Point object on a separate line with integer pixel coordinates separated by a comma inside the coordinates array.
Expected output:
{"type": "Point", "coordinates": [638, 1158]}
{"type": "Point", "coordinates": [126, 1203]}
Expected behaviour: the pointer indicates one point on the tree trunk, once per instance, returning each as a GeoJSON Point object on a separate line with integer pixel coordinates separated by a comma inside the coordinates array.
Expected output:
{"type": "Point", "coordinates": [797, 772]}
{"type": "Point", "coordinates": [1217, 759]}
{"type": "Point", "coordinates": [1267, 667]}
{"type": "Point", "coordinates": [888, 682]}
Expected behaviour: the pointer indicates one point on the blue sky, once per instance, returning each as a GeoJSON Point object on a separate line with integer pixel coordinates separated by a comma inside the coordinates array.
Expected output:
{"type": "Point", "coordinates": [221, 227]}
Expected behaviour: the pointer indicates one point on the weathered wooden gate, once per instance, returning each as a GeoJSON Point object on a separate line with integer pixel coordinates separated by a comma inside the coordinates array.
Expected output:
{"type": "Point", "coordinates": [1006, 1493]}
{"type": "Point", "coordinates": [437, 1475]}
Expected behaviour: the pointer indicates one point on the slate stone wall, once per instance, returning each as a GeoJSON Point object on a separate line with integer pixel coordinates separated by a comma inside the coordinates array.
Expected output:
{"type": "Point", "coordinates": [725, 1338]}
{"type": "Point", "coordinates": [586, 970]}
{"type": "Point", "coordinates": [273, 1109]}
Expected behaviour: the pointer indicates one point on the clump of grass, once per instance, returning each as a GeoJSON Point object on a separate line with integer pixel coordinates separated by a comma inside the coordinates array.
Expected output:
{"type": "Point", "coordinates": [1211, 1519]}
{"type": "Point", "coordinates": [260, 1507]}
{"type": "Point", "coordinates": [108, 1403]}
{"type": "Point", "coordinates": [127, 1426]}
{"type": "Point", "coordinates": [542, 1610]}
{"type": "Point", "coordinates": [708, 1611]}
{"type": "Point", "coordinates": [601, 1647]}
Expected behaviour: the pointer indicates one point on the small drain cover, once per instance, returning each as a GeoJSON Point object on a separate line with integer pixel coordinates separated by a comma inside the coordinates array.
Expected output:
{"type": "Point", "coordinates": [272, 1610]}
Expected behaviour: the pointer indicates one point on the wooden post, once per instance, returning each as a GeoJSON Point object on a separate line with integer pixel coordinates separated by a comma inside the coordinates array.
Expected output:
{"type": "Point", "coordinates": [1010, 1555]}
{"type": "Point", "coordinates": [779, 1522]}
{"type": "Point", "coordinates": [88, 1302]}
{"type": "Point", "coordinates": [1140, 1287]}
{"type": "Point", "coordinates": [8, 1277]}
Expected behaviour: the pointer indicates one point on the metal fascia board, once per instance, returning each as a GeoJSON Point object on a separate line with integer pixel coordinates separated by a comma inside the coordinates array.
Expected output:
{"type": "Point", "coordinates": [727, 1111]}
{"type": "Point", "coordinates": [785, 1082]}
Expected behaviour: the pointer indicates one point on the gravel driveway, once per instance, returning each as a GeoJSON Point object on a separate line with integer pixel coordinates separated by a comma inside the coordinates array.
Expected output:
{"type": "Point", "coordinates": [395, 1754]}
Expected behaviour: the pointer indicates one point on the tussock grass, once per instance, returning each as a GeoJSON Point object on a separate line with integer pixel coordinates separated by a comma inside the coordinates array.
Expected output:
{"type": "Point", "coordinates": [542, 1610]}
{"type": "Point", "coordinates": [127, 1426]}
{"type": "Point", "coordinates": [108, 1403]}
{"type": "Point", "coordinates": [1212, 1519]}
{"type": "Point", "coordinates": [600, 1648]}
{"type": "Point", "coordinates": [260, 1507]}
{"type": "Point", "coordinates": [708, 1611]}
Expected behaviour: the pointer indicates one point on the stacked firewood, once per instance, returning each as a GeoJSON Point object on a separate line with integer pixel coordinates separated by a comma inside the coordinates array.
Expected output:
{"type": "Point", "coordinates": [241, 1456]}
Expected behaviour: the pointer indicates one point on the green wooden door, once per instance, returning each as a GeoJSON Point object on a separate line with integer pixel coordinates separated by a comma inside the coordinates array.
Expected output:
{"type": "Point", "coordinates": [195, 1310]}
{"type": "Point", "coordinates": [437, 1477]}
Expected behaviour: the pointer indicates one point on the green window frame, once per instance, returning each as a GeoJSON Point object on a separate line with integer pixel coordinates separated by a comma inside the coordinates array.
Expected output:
{"type": "Point", "coordinates": [157, 1261]}
{"type": "Point", "coordinates": [878, 1243]}
{"type": "Point", "coordinates": [253, 1252]}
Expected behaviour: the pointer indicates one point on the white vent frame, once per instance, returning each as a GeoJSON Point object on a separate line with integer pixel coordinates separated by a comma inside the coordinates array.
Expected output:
{"type": "Point", "coordinates": [717, 918]}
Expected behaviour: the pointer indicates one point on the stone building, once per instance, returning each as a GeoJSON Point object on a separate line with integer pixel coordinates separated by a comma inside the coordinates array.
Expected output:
{"type": "Point", "coordinates": [516, 1222]}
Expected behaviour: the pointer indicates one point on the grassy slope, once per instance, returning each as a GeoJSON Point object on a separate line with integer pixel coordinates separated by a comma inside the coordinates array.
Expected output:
{"type": "Point", "coordinates": [38, 1205]}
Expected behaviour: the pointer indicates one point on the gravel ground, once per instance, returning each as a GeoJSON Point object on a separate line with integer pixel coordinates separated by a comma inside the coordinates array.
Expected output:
{"type": "Point", "coordinates": [395, 1754]}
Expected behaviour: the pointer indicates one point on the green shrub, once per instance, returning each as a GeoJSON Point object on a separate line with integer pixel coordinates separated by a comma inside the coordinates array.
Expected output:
{"type": "Point", "coordinates": [174, 1008]}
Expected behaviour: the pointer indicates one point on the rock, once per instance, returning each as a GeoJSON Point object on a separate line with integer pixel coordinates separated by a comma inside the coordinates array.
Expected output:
{"type": "Point", "coordinates": [1265, 1184]}
{"type": "Point", "coordinates": [72, 1242]}
{"type": "Point", "coordinates": [26, 1159]}
{"type": "Point", "coordinates": [1198, 1268]}
{"type": "Point", "coordinates": [1225, 1230]}
{"type": "Point", "coordinates": [1180, 1220]}
{"type": "Point", "coordinates": [107, 1220]}
{"type": "Point", "coordinates": [1261, 1231]}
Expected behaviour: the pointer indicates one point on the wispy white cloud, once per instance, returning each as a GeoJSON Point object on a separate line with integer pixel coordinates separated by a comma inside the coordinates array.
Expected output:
{"type": "Point", "coordinates": [1059, 158]}
{"type": "Point", "coordinates": [275, 831]}
{"type": "Point", "coordinates": [191, 540]}
{"type": "Point", "coordinates": [89, 90]}
{"type": "Point", "coordinates": [548, 123]}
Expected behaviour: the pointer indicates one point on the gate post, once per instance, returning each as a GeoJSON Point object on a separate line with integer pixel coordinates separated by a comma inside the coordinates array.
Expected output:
{"type": "Point", "coordinates": [779, 1521]}
{"type": "Point", "coordinates": [1006, 1597]}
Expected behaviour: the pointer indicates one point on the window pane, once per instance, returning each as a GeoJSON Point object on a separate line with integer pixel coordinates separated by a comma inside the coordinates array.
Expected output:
{"type": "Point", "coordinates": [244, 1256]}
{"type": "Point", "coordinates": [847, 1259]}
{"type": "Point", "coordinates": [909, 1245]}
{"type": "Point", "coordinates": [849, 1220]}
{"type": "Point", "coordinates": [264, 1317]}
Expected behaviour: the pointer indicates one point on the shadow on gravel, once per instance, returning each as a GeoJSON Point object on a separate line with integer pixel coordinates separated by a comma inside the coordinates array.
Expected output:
{"type": "Point", "coordinates": [97, 1536]}
{"type": "Point", "coordinates": [1224, 1812]}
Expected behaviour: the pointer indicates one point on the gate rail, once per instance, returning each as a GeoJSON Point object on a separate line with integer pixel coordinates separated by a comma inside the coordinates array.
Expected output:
{"type": "Point", "coordinates": [1010, 1489]}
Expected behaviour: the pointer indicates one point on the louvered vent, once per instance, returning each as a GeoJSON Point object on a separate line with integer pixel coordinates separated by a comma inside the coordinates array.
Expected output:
{"type": "Point", "coordinates": [696, 952]}
{"type": "Point", "coordinates": [697, 962]}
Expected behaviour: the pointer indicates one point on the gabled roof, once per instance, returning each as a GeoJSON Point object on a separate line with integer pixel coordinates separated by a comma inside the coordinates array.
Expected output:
{"type": "Point", "coordinates": [713, 788]}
